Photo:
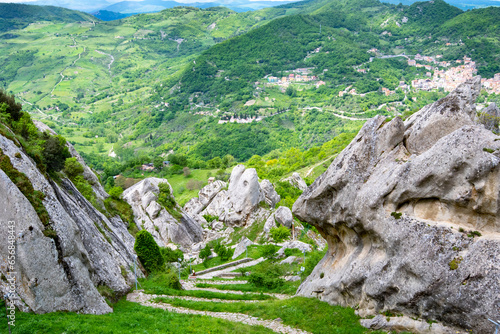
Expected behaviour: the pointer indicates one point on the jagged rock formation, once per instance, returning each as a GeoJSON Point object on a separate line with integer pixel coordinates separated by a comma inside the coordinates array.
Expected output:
{"type": "Point", "coordinates": [240, 204]}
{"type": "Point", "coordinates": [296, 181]}
{"type": "Point", "coordinates": [150, 215]}
{"type": "Point", "coordinates": [399, 207]}
{"type": "Point", "coordinates": [88, 249]}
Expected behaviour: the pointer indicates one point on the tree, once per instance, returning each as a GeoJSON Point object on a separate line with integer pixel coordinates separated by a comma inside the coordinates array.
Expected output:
{"type": "Point", "coordinates": [55, 152]}
{"type": "Point", "coordinates": [186, 171]}
{"type": "Point", "coordinates": [158, 162]}
{"type": "Point", "coordinates": [148, 252]}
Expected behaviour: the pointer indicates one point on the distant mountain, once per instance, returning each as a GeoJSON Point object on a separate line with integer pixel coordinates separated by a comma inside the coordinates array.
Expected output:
{"type": "Point", "coordinates": [462, 4]}
{"type": "Point", "coordinates": [150, 6]}
{"type": "Point", "coordinates": [17, 16]}
{"type": "Point", "coordinates": [106, 15]}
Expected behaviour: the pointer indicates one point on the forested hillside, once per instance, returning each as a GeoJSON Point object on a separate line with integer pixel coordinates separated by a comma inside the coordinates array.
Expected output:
{"type": "Point", "coordinates": [17, 16]}
{"type": "Point", "coordinates": [130, 91]}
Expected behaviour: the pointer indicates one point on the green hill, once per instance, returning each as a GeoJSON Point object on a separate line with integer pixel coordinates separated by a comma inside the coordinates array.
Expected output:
{"type": "Point", "coordinates": [17, 16]}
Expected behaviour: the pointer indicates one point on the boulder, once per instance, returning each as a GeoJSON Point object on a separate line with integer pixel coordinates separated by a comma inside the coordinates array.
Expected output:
{"type": "Point", "coordinates": [270, 223]}
{"type": "Point", "coordinates": [270, 195]}
{"type": "Point", "coordinates": [283, 215]}
{"type": "Point", "coordinates": [241, 247]}
{"type": "Point", "coordinates": [411, 216]}
{"type": "Point", "coordinates": [302, 246]}
{"type": "Point", "coordinates": [150, 215]}
{"type": "Point", "coordinates": [296, 181]}
{"type": "Point", "coordinates": [289, 260]}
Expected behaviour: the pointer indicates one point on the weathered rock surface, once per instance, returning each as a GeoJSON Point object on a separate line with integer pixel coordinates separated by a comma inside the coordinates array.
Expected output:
{"type": "Point", "coordinates": [270, 195]}
{"type": "Point", "coordinates": [400, 324]}
{"type": "Point", "coordinates": [239, 205]}
{"type": "Point", "coordinates": [490, 118]}
{"type": "Point", "coordinates": [297, 181]}
{"type": "Point", "coordinates": [61, 273]}
{"type": "Point", "coordinates": [435, 169]}
{"type": "Point", "coordinates": [241, 247]}
{"type": "Point", "coordinates": [150, 215]}
{"type": "Point", "coordinates": [283, 215]}
{"type": "Point", "coordinates": [302, 246]}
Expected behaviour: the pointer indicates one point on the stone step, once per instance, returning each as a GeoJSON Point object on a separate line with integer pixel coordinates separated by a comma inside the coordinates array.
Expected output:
{"type": "Point", "coordinates": [224, 266]}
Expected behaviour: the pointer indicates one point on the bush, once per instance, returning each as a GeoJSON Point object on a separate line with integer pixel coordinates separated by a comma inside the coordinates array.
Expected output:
{"type": "Point", "coordinates": [267, 275]}
{"type": "Point", "coordinates": [72, 167]}
{"type": "Point", "coordinates": [210, 218]}
{"type": "Point", "coordinates": [205, 253]}
{"type": "Point", "coordinates": [279, 233]}
{"type": "Point", "coordinates": [116, 192]}
{"type": "Point", "coordinates": [165, 197]}
{"type": "Point", "coordinates": [172, 281]}
{"type": "Point", "coordinates": [171, 255]}
{"type": "Point", "coordinates": [148, 252]}
{"type": "Point", "coordinates": [268, 251]}
{"type": "Point", "coordinates": [223, 252]}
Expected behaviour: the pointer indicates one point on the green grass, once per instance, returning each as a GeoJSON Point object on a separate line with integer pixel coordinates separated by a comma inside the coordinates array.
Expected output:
{"type": "Point", "coordinates": [308, 314]}
{"type": "Point", "coordinates": [152, 286]}
{"type": "Point", "coordinates": [127, 318]}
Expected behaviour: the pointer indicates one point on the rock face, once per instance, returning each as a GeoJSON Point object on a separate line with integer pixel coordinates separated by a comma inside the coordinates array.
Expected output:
{"type": "Point", "coordinates": [150, 215]}
{"type": "Point", "coordinates": [63, 271]}
{"type": "Point", "coordinates": [270, 195]}
{"type": "Point", "coordinates": [393, 206]}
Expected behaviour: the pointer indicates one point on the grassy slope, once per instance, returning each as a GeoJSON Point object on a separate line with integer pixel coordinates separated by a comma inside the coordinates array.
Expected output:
{"type": "Point", "coordinates": [127, 318]}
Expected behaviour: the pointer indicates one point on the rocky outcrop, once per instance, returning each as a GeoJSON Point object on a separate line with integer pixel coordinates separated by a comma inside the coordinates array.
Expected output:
{"type": "Point", "coordinates": [241, 247]}
{"type": "Point", "coordinates": [60, 271]}
{"type": "Point", "coordinates": [158, 221]}
{"type": "Point", "coordinates": [297, 181]}
{"type": "Point", "coordinates": [240, 204]}
{"type": "Point", "coordinates": [411, 212]}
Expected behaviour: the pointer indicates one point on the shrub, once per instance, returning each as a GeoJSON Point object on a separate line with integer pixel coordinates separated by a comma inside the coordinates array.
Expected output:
{"type": "Point", "coordinates": [165, 197]}
{"type": "Point", "coordinates": [223, 252]}
{"type": "Point", "coordinates": [210, 218]}
{"type": "Point", "coordinates": [205, 253]}
{"type": "Point", "coordinates": [265, 280]}
{"type": "Point", "coordinates": [396, 215]}
{"type": "Point", "coordinates": [116, 192]}
{"type": "Point", "coordinates": [72, 167]}
{"type": "Point", "coordinates": [279, 233]}
{"type": "Point", "coordinates": [171, 255]}
{"type": "Point", "coordinates": [148, 252]}
{"type": "Point", "coordinates": [269, 250]}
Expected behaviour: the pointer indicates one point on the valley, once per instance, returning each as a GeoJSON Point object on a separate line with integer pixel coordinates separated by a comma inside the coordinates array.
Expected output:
{"type": "Point", "coordinates": [314, 167]}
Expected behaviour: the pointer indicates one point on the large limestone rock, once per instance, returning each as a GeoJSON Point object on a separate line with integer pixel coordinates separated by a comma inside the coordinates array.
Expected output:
{"type": "Point", "coordinates": [61, 273]}
{"type": "Point", "coordinates": [283, 215]}
{"type": "Point", "coordinates": [241, 247]}
{"type": "Point", "coordinates": [392, 207]}
{"type": "Point", "coordinates": [150, 215]}
{"type": "Point", "coordinates": [270, 195]}
{"type": "Point", "coordinates": [297, 181]}
{"type": "Point", "coordinates": [236, 206]}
